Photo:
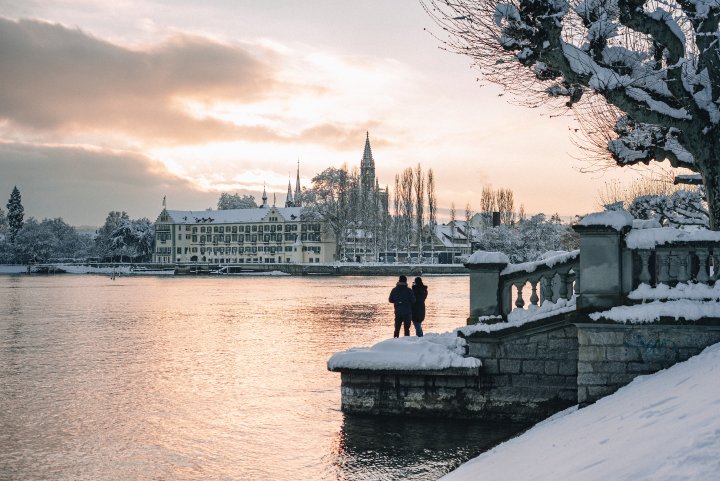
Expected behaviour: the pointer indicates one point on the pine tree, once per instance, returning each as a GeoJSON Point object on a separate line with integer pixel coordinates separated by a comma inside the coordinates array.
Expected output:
{"type": "Point", "coordinates": [15, 214]}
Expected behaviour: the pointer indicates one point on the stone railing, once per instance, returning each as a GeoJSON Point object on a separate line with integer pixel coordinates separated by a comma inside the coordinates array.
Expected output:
{"type": "Point", "coordinates": [497, 287]}
{"type": "Point", "coordinates": [656, 256]}
{"type": "Point", "coordinates": [616, 256]}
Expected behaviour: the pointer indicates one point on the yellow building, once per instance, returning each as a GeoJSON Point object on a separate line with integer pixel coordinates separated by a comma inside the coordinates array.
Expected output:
{"type": "Point", "coordinates": [255, 235]}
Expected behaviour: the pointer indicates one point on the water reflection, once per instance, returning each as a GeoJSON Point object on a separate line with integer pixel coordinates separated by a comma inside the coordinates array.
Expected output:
{"type": "Point", "coordinates": [390, 448]}
{"type": "Point", "coordinates": [207, 378]}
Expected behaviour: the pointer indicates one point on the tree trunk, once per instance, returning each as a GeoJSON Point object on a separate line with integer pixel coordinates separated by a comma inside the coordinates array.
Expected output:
{"type": "Point", "coordinates": [711, 181]}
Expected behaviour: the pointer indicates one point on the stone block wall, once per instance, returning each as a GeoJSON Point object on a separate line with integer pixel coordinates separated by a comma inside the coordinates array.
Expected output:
{"type": "Point", "coordinates": [527, 375]}
{"type": "Point", "coordinates": [612, 355]}
{"type": "Point", "coordinates": [445, 393]}
{"type": "Point", "coordinates": [532, 372]}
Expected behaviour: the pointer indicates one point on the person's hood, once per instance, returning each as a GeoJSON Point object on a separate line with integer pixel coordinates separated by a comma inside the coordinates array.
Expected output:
{"type": "Point", "coordinates": [404, 284]}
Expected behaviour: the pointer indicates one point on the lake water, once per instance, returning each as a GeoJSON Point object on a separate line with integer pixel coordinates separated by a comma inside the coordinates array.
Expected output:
{"type": "Point", "coordinates": [207, 378]}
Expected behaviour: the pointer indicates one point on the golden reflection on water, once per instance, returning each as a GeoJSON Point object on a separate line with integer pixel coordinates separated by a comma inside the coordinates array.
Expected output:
{"type": "Point", "coordinates": [195, 378]}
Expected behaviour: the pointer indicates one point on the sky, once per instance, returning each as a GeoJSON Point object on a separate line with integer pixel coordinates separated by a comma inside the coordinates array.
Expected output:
{"type": "Point", "coordinates": [115, 105]}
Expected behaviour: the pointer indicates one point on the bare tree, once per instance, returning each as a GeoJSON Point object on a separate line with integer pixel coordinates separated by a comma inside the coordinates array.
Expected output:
{"type": "Point", "coordinates": [506, 206]}
{"type": "Point", "coordinates": [452, 229]}
{"type": "Point", "coordinates": [522, 216]}
{"type": "Point", "coordinates": [642, 77]}
{"type": "Point", "coordinates": [407, 207]}
{"type": "Point", "coordinates": [432, 210]}
{"type": "Point", "coordinates": [329, 199]}
{"type": "Point", "coordinates": [659, 183]}
{"type": "Point", "coordinates": [488, 204]}
{"type": "Point", "coordinates": [468, 229]}
{"type": "Point", "coordinates": [397, 223]}
{"type": "Point", "coordinates": [419, 208]}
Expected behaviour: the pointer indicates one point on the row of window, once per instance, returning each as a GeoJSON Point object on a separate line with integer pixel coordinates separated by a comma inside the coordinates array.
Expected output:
{"type": "Point", "coordinates": [240, 260]}
{"type": "Point", "coordinates": [240, 250]}
{"type": "Point", "coordinates": [232, 229]}
{"type": "Point", "coordinates": [312, 237]}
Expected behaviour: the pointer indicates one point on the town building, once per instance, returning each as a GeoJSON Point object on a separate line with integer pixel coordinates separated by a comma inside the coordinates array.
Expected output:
{"type": "Point", "coordinates": [235, 236]}
{"type": "Point", "coordinates": [365, 239]}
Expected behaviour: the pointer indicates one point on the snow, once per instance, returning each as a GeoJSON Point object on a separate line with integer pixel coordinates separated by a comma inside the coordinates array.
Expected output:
{"type": "Point", "coordinates": [506, 11]}
{"type": "Point", "coordinates": [650, 238]}
{"type": "Point", "coordinates": [680, 291]}
{"type": "Point", "coordinates": [646, 224]}
{"type": "Point", "coordinates": [86, 269]}
{"type": "Point", "coordinates": [690, 310]}
{"type": "Point", "coordinates": [549, 259]}
{"type": "Point", "coordinates": [662, 427]}
{"type": "Point", "coordinates": [13, 269]}
{"type": "Point", "coordinates": [430, 352]}
{"type": "Point", "coordinates": [518, 317]}
{"type": "Point", "coordinates": [254, 274]}
{"type": "Point", "coordinates": [230, 216]}
{"type": "Point", "coordinates": [665, 16]}
{"type": "Point", "coordinates": [615, 219]}
{"type": "Point", "coordinates": [657, 105]}
{"type": "Point", "coordinates": [486, 257]}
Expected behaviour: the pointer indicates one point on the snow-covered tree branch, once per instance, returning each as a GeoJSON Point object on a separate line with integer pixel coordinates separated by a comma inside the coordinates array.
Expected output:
{"type": "Point", "coordinates": [655, 65]}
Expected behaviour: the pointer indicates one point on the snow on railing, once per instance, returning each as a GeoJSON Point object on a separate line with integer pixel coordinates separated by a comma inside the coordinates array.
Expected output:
{"type": "Point", "coordinates": [549, 279]}
{"type": "Point", "coordinates": [498, 288]}
{"type": "Point", "coordinates": [620, 261]}
{"type": "Point", "coordinates": [668, 256]}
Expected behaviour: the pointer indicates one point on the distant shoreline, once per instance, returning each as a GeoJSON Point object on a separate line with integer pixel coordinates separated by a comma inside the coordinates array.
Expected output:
{"type": "Point", "coordinates": [230, 270]}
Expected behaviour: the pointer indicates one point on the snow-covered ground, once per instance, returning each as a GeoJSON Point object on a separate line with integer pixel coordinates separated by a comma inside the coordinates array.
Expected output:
{"type": "Point", "coordinates": [662, 427]}
{"type": "Point", "coordinates": [431, 352]}
{"type": "Point", "coordinates": [12, 269]}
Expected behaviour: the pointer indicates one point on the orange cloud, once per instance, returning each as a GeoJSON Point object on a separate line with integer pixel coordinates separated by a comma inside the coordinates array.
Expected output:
{"type": "Point", "coordinates": [64, 80]}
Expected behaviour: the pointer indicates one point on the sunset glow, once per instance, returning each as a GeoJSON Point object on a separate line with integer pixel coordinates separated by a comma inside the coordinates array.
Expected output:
{"type": "Point", "coordinates": [188, 101]}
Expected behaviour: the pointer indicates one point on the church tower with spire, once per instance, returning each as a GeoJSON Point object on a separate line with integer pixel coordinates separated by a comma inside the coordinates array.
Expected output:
{"type": "Point", "coordinates": [298, 194]}
{"type": "Point", "coordinates": [367, 168]}
{"type": "Point", "coordinates": [294, 200]}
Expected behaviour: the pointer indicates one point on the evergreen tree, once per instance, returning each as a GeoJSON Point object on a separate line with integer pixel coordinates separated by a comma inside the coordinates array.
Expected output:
{"type": "Point", "coordinates": [15, 214]}
{"type": "Point", "coordinates": [3, 221]}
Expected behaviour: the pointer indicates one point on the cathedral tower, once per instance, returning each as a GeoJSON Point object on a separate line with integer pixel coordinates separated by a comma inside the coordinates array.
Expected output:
{"type": "Point", "coordinates": [367, 168]}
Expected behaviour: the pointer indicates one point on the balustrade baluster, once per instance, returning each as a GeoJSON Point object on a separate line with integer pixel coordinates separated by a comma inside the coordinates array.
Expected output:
{"type": "Point", "coordinates": [577, 282]}
{"type": "Point", "coordinates": [683, 258]}
{"type": "Point", "coordinates": [546, 289]}
{"type": "Point", "coordinates": [715, 264]}
{"type": "Point", "coordinates": [569, 281]}
{"type": "Point", "coordinates": [702, 255]}
{"type": "Point", "coordinates": [563, 285]}
{"type": "Point", "coordinates": [519, 303]}
{"type": "Point", "coordinates": [534, 296]}
{"type": "Point", "coordinates": [663, 260]}
{"type": "Point", "coordinates": [644, 270]}
{"type": "Point", "coordinates": [506, 299]}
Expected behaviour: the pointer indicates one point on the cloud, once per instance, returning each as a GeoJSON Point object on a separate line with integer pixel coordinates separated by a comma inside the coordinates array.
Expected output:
{"type": "Point", "coordinates": [82, 185]}
{"type": "Point", "coordinates": [64, 80]}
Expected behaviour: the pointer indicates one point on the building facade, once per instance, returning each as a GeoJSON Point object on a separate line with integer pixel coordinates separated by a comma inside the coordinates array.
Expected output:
{"type": "Point", "coordinates": [235, 236]}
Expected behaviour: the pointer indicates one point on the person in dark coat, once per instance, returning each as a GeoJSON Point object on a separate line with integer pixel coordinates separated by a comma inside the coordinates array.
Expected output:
{"type": "Point", "coordinates": [403, 299]}
{"type": "Point", "coordinates": [420, 291]}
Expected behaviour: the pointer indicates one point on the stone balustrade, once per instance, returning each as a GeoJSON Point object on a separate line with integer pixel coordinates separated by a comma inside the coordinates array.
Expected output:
{"type": "Point", "coordinates": [496, 287]}
{"type": "Point", "coordinates": [545, 333]}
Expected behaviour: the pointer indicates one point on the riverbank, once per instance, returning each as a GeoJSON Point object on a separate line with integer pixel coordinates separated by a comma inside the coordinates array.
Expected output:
{"type": "Point", "coordinates": [661, 427]}
{"type": "Point", "coordinates": [334, 269]}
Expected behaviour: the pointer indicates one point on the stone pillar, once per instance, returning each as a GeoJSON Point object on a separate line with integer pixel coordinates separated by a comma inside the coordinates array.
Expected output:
{"type": "Point", "coordinates": [485, 268]}
{"type": "Point", "coordinates": [601, 261]}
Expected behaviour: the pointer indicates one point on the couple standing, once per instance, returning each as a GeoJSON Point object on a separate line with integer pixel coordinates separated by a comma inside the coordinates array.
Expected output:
{"type": "Point", "coordinates": [409, 305]}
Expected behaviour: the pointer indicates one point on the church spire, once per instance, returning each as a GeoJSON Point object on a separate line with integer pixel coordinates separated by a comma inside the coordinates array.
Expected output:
{"type": "Point", "coordinates": [289, 199]}
{"type": "Point", "coordinates": [367, 167]}
{"type": "Point", "coordinates": [264, 197]}
{"type": "Point", "coordinates": [298, 199]}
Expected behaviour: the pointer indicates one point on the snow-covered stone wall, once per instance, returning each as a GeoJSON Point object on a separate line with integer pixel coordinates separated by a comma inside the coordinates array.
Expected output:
{"type": "Point", "coordinates": [612, 355]}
